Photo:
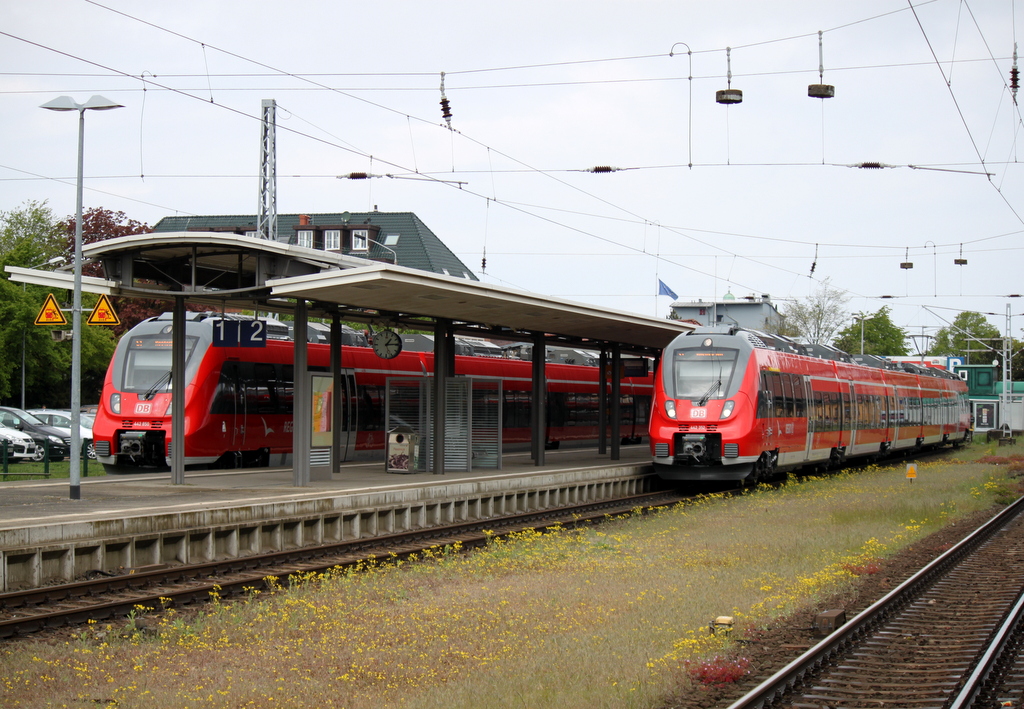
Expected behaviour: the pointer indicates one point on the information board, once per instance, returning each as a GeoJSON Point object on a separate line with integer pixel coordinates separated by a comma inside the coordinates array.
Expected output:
{"type": "Point", "coordinates": [239, 333]}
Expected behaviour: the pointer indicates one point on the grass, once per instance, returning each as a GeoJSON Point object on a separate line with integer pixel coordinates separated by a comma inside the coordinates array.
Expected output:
{"type": "Point", "coordinates": [26, 470]}
{"type": "Point", "coordinates": [609, 616]}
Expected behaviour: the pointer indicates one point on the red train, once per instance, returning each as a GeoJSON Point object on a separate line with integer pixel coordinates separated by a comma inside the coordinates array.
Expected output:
{"type": "Point", "coordinates": [734, 404]}
{"type": "Point", "coordinates": [238, 400]}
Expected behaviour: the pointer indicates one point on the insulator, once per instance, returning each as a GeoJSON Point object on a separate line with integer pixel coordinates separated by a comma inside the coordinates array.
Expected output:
{"type": "Point", "coordinates": [358, 175]}
{"type": "Point", "coordinates": [871, 165]}
{"type": "Point", "coordinates": [603, 168]}
{"type": "Point", "coordinates": [483, 264]}
{"type": "Point", "coordinates": [1014, 78]}
{"type": "Point", "coordinates": [446, 110]}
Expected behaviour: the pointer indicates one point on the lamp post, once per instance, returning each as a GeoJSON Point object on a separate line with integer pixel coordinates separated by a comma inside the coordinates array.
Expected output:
{"type": "Point", "coordinates": [66, 103]}
{"type": "Point", "coordinates": [861, 317]}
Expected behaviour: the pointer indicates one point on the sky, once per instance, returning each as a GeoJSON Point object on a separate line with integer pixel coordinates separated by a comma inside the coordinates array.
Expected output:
{"type": "Point", "coordinates": [767, 196]}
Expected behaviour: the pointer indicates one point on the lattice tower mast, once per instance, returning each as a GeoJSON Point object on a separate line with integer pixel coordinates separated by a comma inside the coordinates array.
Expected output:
{"type": "Point", "coordinates": [267, 226]}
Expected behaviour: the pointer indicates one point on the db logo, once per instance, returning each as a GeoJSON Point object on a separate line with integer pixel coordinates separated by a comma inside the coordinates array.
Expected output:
{"type": "Point", "coordinates": [698, 413]}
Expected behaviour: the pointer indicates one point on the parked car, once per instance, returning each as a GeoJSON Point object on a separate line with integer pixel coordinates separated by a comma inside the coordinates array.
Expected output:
{"type": "Point", "coordinates": [61, 418]}
{"type": "Point", "coordinates": [59, 440]}
{"type": "Point", "coordinates": [20, 446]}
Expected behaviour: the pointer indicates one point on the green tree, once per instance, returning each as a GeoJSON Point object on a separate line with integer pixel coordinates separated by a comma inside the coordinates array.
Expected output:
{"type": "Point", "coordinates": [970, 335]}
{"type": "Point", "coordinates": [880, 335]}
{"type": "Point", "coordinates": [29, 237]}
{"type": "Point", "coordinates": [818, 318]}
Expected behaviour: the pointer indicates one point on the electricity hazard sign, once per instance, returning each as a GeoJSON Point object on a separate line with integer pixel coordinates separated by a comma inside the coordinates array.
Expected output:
{"type": "Point", "coordinates": [103, 313]}
{"type": "Point", "coordinates": [51, 314]}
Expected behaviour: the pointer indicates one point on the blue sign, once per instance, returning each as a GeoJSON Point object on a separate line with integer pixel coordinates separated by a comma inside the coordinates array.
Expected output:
{"type": "Point", "coordinates": [239, 333]}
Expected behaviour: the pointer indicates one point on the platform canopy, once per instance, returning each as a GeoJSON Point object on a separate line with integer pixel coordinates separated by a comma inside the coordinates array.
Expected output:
{"type": "Point", "coordinates": [497, 310]}
{"type": "Point", "coordinates": [230, 270]}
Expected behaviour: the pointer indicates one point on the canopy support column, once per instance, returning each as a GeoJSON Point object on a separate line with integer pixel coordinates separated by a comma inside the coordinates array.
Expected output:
{"type": "Point", "coordinates": [302, 415]}
{"type": "Point", "coordinates": [538, 400]}
{"type": "Point", "coordinates": [178, 340]}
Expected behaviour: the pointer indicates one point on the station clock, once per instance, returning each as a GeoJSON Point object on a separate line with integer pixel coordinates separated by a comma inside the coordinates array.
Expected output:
{"type": "Point", "coordinates": [387, 344]}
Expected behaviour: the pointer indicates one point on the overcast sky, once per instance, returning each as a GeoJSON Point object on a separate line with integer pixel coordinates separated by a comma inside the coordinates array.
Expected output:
{"type": "Point", "coordinates": [763, 197]}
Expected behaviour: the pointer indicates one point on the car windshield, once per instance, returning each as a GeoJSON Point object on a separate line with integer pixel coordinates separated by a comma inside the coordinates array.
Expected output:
{"type": "Point", "coordinates": [88, 420]}
{"type": "Point", "coordinates": [10, 418]}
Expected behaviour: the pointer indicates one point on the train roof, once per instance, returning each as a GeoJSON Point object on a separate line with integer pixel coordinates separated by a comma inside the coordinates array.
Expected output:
{"type": "Point", "coordinates": [781, 343]}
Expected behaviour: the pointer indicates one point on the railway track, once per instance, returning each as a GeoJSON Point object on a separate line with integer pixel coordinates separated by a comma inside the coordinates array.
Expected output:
{"type": "Point", "coordinates": [29, 611]}
{"type": "Point", "coordinates": [947, 637]}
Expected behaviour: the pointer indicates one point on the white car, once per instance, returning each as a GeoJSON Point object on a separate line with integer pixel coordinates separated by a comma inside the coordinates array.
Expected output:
{"type": "Point", "coordinates": [61, 418]}
{"type": "Point", "coordinates": [20, 446]}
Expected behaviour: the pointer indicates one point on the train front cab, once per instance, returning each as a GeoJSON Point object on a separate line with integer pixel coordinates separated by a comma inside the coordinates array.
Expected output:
{"type": "Point", "coordinates": [704, 412]}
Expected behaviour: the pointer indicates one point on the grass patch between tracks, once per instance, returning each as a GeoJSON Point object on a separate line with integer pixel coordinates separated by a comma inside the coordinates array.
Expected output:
{"type": "Point", "coordinates": [609, 616]}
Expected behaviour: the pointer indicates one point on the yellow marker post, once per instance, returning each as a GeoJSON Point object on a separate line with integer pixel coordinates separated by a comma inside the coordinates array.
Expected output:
{"type": "Point", "coordinates": [50, 313]}
{"type": "Point", "coordinates": [911, 471]}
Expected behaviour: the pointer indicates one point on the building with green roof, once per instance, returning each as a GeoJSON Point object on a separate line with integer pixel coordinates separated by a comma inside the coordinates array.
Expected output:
{"type": "Point", "coordinates": [393, 237]}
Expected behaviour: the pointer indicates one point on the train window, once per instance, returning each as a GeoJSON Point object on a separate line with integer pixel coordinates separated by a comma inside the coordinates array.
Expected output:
{"type": "Point", "coordinates": [765, 406]}
{"type": "Point", "coordinates": [699, 374]}
{"type": "Point", "coordinates": [516, 412]}
{"type": "Point", "coordinates": [799, 397]}
{"type": "Point", "coordinates": [148, 363]}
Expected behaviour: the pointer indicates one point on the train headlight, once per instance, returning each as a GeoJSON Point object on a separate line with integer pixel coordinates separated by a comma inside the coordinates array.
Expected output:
{"type": "Point", "coordinates": [670, 408]}
{"type": "Point", "coordinates": [115, 403]}
{"type": "Point", "coordinates": [727, 409]}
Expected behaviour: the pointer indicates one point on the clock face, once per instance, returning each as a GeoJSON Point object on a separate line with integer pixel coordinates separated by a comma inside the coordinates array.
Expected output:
{"type": "Point", "coordinates": [387, 344]}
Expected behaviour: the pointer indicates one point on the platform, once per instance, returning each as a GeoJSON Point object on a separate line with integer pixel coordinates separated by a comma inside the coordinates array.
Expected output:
{"type": "Point", "coordinates": [130, 521]}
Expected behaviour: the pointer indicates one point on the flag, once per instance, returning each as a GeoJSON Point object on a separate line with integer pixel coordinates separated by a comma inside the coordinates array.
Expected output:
{"type": "Point", "coordinates": [665, 290]}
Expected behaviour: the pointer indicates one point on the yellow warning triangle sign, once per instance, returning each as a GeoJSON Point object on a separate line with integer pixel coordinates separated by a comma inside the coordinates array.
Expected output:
{"type": "Point", "coordinates": [103, 313]}
{"type": "Point", "coordinates": [51, 314]}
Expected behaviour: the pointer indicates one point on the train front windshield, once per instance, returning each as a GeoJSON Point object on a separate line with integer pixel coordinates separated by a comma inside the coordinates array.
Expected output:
{"type": "Point", "coordinates": [700, 373]}
{"type": "Point", "coordinates": [147, 363]}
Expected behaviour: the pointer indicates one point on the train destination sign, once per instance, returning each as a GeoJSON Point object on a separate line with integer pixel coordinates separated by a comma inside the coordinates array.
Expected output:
{"type": "Point", "coordinates": [239, 333]}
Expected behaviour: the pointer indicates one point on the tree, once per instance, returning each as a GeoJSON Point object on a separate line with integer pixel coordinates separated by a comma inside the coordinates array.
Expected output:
{"type": "Point", "coordinates": [29, 236]}
{"type": "Point", "coordinates": [819, 317]}
{"type": "Point", "coordinates": [880, 335]}
{"type": "Point", "coordinates": [970, 335]}
{"type": "Point", "coordinates": [99, 224]}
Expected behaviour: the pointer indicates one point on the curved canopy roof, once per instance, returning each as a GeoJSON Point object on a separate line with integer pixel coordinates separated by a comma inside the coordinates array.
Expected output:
{"type": "Point", "coordinates": [231, 270]}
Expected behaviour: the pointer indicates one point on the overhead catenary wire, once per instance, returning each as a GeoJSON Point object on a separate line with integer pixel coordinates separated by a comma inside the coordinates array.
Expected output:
{"type": "Point", "coordinates": [534, 170]}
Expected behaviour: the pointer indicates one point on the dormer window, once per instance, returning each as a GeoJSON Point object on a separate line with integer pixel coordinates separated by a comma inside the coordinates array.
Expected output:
{"type": "Point", "coordinates": [360, 239]}
{"type": "Point", "coordinates": [332, 239]}
{"type": "Point", "coordinates": [304, 237]}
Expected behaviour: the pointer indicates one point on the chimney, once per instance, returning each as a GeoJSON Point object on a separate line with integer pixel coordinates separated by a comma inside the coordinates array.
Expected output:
{"type": "Point", "coordinates": [303, 220]}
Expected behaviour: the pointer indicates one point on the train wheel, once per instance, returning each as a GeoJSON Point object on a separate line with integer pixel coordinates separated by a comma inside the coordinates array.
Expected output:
{"type": "Point", "coordinates": [764, 469]}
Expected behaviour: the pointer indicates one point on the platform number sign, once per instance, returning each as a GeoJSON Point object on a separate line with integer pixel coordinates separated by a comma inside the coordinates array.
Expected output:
{"type": "Point", "coordinates": [239, 333]}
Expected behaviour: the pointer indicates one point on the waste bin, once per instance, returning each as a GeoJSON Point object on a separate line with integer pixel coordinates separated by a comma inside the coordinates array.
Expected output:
{"type": "Point", "coordinates": [403, 451]}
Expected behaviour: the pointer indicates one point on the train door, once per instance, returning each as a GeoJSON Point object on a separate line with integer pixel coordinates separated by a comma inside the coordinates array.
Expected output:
{"type": "Point", "coordinates": [811, 413]}
{"type": "Point", "coordinates": [850, 417]}
{"type": "Point", "coordinates": [346, 445]}
{"type": "Point", "coordinates": [769, 399]}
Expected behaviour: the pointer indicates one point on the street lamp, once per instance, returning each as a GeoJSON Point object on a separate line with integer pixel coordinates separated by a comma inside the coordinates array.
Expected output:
{"type": "Point", "coordinates": [861, 317]}
{"type": "Point", "coordinates": [66, 103]}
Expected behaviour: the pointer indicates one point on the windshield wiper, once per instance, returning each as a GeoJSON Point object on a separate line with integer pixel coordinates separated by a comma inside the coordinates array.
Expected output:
{"type": "Point", "coordinates": [151, 392]}
{"type": "Point", "coordinates": [707, 395]}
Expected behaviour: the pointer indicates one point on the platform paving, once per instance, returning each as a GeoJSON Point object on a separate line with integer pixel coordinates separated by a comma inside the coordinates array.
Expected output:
{"type": "Point", "coordinates": [126, 521]}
